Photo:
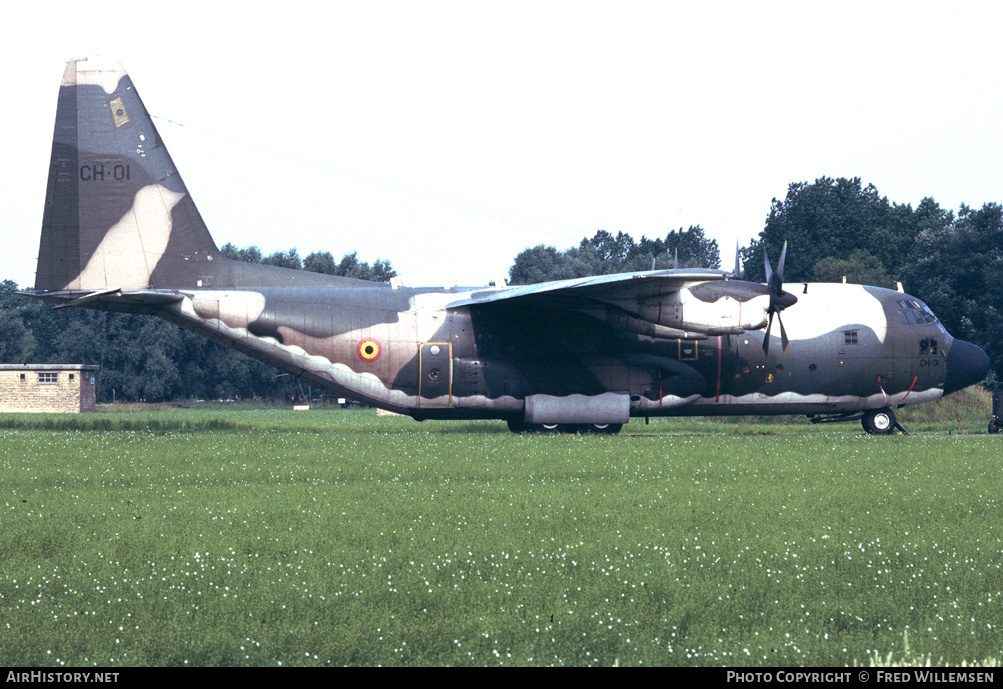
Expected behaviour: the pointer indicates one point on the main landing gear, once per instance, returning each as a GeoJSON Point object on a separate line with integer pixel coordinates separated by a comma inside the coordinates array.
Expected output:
{"type": "Point", "coordinates": [519, 426]}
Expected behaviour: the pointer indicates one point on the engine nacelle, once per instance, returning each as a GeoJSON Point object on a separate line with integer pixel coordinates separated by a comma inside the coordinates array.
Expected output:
{"type": "Point", "coordinates": [723, 316]}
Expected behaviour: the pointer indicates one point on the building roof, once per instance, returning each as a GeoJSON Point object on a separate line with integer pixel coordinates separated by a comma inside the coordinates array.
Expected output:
{"type": "Point", "coordinates": [49, 367]}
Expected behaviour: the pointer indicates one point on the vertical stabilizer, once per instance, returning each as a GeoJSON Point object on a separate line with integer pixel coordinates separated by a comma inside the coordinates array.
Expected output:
{"type": "Point", "coordinates": [117, 214]}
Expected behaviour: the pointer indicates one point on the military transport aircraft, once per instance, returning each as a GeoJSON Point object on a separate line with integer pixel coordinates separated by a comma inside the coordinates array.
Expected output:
{"type": "Point", "coordinates": [120, 232]}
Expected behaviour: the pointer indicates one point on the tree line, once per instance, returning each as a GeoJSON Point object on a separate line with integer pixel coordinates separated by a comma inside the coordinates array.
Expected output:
{"type": "Point", "coordinates": [834, 228]}
{"type": "Point", "coordinates": [319, 262]}
{"type": "Point", "coordinates": [604, 253]}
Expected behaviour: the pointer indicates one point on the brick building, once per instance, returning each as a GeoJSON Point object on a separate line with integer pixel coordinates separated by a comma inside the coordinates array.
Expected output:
{"type": "Point", "coordinates": [48, 387]}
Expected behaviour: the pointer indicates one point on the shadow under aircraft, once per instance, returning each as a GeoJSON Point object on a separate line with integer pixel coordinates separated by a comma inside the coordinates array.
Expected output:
{"type": "Point", "coordinates": [120, 232]}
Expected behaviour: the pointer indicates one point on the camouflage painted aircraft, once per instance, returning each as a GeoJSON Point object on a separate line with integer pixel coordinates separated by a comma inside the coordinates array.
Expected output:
{"type": "Point", "coordinates": [120, 232]}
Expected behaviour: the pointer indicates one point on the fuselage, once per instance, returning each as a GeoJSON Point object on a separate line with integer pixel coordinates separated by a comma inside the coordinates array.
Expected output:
{"type": "Point", "coordinates": [852, 348]}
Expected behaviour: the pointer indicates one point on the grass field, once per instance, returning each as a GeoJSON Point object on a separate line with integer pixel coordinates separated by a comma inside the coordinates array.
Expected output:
{"type": "Point", "coordinates": [329, 537]}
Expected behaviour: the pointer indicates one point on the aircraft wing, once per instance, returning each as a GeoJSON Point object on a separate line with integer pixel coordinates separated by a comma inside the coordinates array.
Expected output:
{"type": "Point", "coordinates": [662, 303]}
{"type": "Point", "coordinates": [622, 288]}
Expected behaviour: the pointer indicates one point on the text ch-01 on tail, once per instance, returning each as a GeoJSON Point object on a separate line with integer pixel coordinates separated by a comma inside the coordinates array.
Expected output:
{"type": "Point", "coordinates": [120, 232]}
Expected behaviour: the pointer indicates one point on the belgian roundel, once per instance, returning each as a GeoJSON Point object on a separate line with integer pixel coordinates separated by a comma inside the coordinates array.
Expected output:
{"type": "Point", "coordinates": [369, 349]}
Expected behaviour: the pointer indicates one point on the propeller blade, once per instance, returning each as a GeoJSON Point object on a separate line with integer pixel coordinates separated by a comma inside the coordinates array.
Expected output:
{"type": "Point", "coordinates": [766, 338]}
{"type": "Point", "coordinates": [783, 334]}
{"type": "Point", "coordinates": [780, 265]}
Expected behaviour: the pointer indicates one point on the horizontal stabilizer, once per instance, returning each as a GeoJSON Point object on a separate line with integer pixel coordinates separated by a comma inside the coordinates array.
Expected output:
{"type": "Point", "coordinates": [93, 296]}
{"type": "Point", "coordinates": [108, 298]}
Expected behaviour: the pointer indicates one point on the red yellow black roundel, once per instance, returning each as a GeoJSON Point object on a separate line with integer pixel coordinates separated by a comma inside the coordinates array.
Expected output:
{"type": "Point", "coordinates": [369, 349]}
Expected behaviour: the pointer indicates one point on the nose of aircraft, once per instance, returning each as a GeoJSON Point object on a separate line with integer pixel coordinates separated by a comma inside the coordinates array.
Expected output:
{"type": "Point", "coordinates": [967, 365]}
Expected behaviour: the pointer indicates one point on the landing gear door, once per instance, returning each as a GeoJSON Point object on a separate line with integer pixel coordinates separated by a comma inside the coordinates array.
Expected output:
{"type": "Point", "coordinates": [435, 377]}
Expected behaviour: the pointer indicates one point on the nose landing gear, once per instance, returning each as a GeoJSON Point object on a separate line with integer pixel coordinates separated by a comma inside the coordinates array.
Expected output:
{"type": "Point", "coordinates": [881, 422]}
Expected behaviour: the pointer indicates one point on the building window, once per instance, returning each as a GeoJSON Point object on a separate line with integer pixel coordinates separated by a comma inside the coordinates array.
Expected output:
{"type": "Point", "coordinates": [48, 378]}
{"type": "Point", "coordinates": [71, 377]}
{"type": "Point", "coordinates": [22, 377]}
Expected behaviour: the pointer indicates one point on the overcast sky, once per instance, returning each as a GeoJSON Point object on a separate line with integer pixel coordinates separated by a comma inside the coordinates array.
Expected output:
{"type": "Point", "coordinates": [448, 136]}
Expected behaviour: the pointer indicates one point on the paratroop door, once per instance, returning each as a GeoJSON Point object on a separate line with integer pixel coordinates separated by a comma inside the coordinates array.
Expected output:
{"type": "Point", "coordinates": [435, 374]}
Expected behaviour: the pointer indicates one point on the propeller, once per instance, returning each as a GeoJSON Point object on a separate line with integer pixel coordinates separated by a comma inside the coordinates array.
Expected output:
{"type": "Point", "coordinates": [779, 299]}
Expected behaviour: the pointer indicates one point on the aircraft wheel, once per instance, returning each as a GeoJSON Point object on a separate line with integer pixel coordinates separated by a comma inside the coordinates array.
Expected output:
{"type": "Point", "coordinates": [518, 426]}
{"type": "Point", "coordinates": [879, 421]}
{"type": "Point", "coordinates": [994, 426]}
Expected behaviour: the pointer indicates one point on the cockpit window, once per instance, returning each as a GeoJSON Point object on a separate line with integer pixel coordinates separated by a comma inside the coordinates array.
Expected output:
{"type": "Point", "coordinates": [913, 313]}
{"type": "Point", "coordinates": [928, 346]}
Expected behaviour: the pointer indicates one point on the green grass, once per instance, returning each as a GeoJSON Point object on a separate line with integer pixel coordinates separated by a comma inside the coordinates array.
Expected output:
{"type": "Point", "coordinates": [259, 537]}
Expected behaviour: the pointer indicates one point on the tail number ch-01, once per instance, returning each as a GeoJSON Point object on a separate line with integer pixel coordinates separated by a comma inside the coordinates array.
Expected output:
{"type": "Point", "coordinates": [99, 172]}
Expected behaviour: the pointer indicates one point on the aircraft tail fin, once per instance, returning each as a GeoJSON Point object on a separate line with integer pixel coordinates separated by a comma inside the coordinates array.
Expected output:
{"type": "Point", "coordinates": [117, 214]}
